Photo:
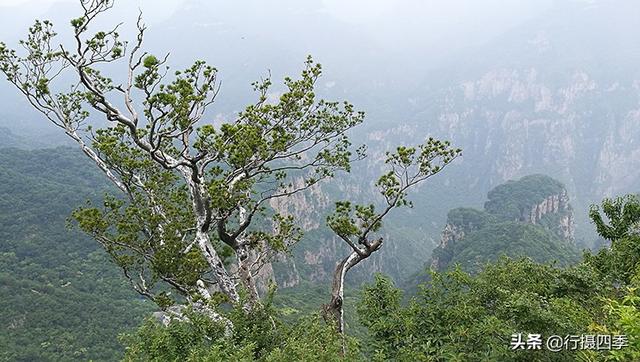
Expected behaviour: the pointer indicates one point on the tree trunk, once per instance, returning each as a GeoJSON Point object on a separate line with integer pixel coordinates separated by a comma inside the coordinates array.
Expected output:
{"type": "Point", "coordinates": [215, 263]}
{"type": "Point", "coordinates": [248, 281]}
{"type": "Point", "coordinates": [334, 310]}
{"type": "Point", "coordinates": [201, 209]}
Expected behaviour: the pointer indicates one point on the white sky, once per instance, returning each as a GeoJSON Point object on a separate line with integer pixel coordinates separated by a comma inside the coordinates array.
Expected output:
{"type": "Point", "coordinates": [155, 10]}
{"type": "Point", "coordinates": [35, 2]}
{"type": "Point", "coordinates": [359, 10]}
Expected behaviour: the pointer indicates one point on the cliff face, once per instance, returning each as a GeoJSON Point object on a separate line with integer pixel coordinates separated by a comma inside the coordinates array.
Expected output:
{"type": "Point", "coordinates": [450, 236]}
{"type": "Point", "coordinates": [534, 100]}
{"type": "Point", "coordinates": [562, 126]}
{"type": "Point", "coordinates": [539, 100]}
{"type": "Point", "coordinates": [554, 204]}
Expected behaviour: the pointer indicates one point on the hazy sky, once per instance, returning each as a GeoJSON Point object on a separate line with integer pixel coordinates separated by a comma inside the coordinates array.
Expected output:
{"type": "Point", "coordinates": [155, 10]}
{"type": "Point", "coordinates": [427, 13]}
{"type": "Point", "coordinates": [400, 20]}
{"type": "Point", "coordinates": [393, 26]}
{"type": "Point", "coordinates": [368, 44]}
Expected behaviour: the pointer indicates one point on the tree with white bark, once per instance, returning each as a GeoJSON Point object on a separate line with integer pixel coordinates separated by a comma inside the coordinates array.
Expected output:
{"type": "Point", "coordinates": [192, 223]}
{"type": "Point", "coordinates": [193, 191]}
{"type": "Point", "coordinates": [357, 225]}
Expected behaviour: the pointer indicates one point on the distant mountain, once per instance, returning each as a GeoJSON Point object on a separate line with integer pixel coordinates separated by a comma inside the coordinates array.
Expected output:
{"type": "Point", "coordinates": [8, 139]}
{"type": "Point", "coordinates": [530, 217]}
{"type": "Point", "coordinates": [559, 95]}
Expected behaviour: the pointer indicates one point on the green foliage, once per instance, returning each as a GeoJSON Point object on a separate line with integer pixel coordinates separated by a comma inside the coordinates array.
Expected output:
{"type": "Point", "coordinates": [150, 61]}
{"type": "Point", "coordinates": [462, 316]}
{"type": "Point", "coordinates": [343, 223]}
{"type": "Point", "coordinates": [312, 340]}
{"type": "Point", "coordinates": [458, 316]}
{"type": "Point", "coordinates": [620, 265]}
{"type": "Point", "coordinates": [199, 339]}
{"type": "Point", "coordinates": [244, 164]}
{"type": "Point", "coordinates": [61, 298]}
{"type": "Point", "coordinates": [181, 178]}
{"type": "Point", "coordinates": [512, 239]}
{"type": "Point", "coordinates": [408, 166]}
{"type": "Point", "coordinates": [469, 219]}
{"type": "Point", "coordinates": [184, 182]}
{"type": "Point", "coordinates": [620, 261]}
{"type": "Point", "coordinates": [623, 214]}
{"type": "Point", "coordinates": [624, 317]}
{"type": "Point", "coordinates": [482, 236]}
{"type": "Point", "coordinates": [380, 311]}
{"type": "Point", "coordinates": [509, 200]}
{"type": "Point", "coordinates": [257, 336]}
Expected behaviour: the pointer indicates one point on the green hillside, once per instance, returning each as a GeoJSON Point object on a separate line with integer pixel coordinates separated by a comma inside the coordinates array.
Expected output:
{"type": "Point", "coordinates": [61, 298]}
{"type": "Point", "coordinates": [507, 201]}
{"type": "Point", "coordinates": [513, 239]}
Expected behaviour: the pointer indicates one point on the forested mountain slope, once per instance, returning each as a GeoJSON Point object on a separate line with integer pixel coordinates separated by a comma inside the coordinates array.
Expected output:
{"type": "Point", "coordinates": [531, 217]}
{"type": "Point", "coordinates": [61, 299]}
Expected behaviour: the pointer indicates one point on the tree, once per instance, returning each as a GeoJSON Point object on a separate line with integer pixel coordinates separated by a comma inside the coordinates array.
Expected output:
{"type": "Point", "coordinates": [624, 320]}
{"type": "Point", "coordinates": [192, 221]}
{"type": "Point", "coordinates": [623, 214]}
{"type": "Point", "coordinates": [356, 224]}
{"type": "Point", "coordinates": [461, 316]}
{"type": "Point", "coordinates": [620, 265]}
{"type": "Point", "coordinates": [620, 261]}
{"type": "Point", "coordinates": [193, 191]}
{"type": "Point", "coordinates": [200, 339]}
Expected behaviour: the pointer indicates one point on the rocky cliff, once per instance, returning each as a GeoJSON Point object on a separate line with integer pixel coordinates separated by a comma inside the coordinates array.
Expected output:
{"type": "Point", "coordinates": [553, 205]}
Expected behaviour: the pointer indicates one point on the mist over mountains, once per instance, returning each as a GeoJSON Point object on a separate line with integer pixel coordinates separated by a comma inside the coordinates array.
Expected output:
{"type": "Point", "coordinates": [533, 87]}
{"type": "Point", "coordinates": [548, 88]}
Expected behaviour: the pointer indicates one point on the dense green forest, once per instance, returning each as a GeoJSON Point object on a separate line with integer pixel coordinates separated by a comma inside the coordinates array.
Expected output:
{"type": "Point", "coordinates": [61, 298]}
{"type": "Point", "coordinates": [455, 316]}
